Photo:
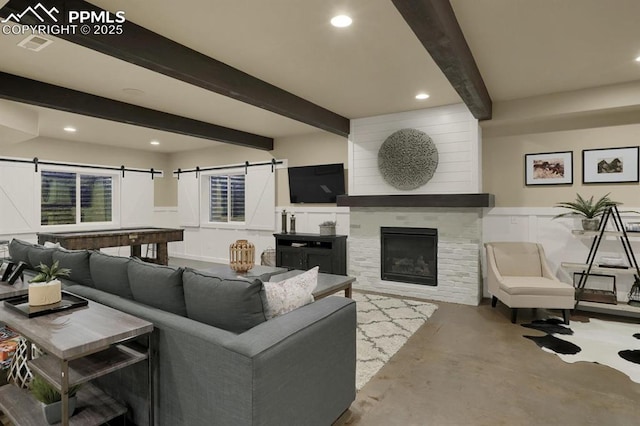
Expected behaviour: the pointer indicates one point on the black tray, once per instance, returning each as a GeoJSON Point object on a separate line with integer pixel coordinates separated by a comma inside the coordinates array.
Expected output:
{"type": "Point", "coordinates": [21, 304]}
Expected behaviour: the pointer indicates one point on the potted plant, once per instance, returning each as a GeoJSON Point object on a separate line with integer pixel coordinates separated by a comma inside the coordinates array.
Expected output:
{"type": "Point", "coordinates": [45, 288]}
{"type": "Point", "coordinates": [328, 227]}
{"type": "Point", "coordinates": [51, 399]}
{"type": "Point", "coordinates": [588, 209]}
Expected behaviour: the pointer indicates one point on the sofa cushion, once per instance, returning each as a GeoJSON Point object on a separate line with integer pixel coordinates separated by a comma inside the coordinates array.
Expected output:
{"type": "Point", "coordinates": [157, 286]}
{"type": "Point", "coordinates": [231, 304]}
{"type": "Point", "coordinates": [292, 293]}
{"type": "Point", "coordinates": [78, 262]}
{"type": "Point", "coordinates": [19, 251]}
{"type": "Point", "coordinates": [111, 274]}
{"type": "Point", "coordinates": [39, 254]}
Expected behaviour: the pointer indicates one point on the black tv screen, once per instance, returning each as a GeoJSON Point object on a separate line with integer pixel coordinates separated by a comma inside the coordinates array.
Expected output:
{"type": "Point", "coordinates": [316, 184]}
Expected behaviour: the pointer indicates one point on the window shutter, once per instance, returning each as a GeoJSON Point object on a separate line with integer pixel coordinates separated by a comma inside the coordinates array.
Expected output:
{"type": "Point", "coordinates": [237, 194]}
{"type": "Point", "coordinates": [218, 190]}
{"type": "Point", "coordinates": [96, 195]}
{"type": "Point", "coordinates": [58, 198]}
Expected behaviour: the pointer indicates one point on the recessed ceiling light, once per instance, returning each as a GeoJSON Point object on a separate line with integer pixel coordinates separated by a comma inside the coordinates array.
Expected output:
{"type": "Point", "coordinates": [154, 143]}
{"type": "Point", "coordinates": [69, 129]}
{"type": "Point", "coordinates": [421, 96]}
{"type": "Point", "coordinates": [341, 21]}
{"type": "Point", "coordinates": [638, 59]}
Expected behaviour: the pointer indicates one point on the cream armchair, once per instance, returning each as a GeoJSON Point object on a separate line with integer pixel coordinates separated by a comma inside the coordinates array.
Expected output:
{"type": "Point", "coordinates": [518, 275]}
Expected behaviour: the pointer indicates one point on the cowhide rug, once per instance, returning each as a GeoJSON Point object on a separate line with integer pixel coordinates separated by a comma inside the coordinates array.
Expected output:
{"type": "Point", "coordinates": [610, 343]}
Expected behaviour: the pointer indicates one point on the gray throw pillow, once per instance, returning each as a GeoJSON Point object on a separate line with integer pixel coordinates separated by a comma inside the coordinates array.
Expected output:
{"type": "Point", "coordinates": [39, 254]}
{"type": "Point", "coordinates": [157, 286]}
{"type": "Point", "coordinates": [111, 274]}
{"type": "Point", "coordinates": [78, 262]}
{"type": "Point", "coordinates": [19, 251]}
{"type": "Point", "coordinates": [233, 305]}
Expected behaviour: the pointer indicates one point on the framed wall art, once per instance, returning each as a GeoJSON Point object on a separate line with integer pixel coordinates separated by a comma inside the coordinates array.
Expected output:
{"type": "Point", "coordinates": [549, 168]}
{"type": "Point", "coordinates": [610, 165]}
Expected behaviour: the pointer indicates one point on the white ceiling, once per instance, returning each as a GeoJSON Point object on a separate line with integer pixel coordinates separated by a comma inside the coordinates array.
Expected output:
{"type": "Point", "coordinates": [523, 48]}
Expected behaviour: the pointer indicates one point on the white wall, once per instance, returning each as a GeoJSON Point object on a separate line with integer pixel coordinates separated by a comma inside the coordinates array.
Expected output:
{"type": "Point", "coordinates": [212, 244]}
{"type": "Point", "coordinates": [453, 130]}
{"type": "Point", "coordinates": [560, 245]}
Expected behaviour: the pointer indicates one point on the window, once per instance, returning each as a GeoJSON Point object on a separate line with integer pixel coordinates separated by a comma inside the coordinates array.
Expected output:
{"type": "Point", "coordinates": [60, 192]}
{"type": "Point", "coordinates": [226, 195]}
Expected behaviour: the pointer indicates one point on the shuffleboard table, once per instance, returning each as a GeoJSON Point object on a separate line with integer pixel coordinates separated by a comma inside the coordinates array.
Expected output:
{"type": "Point", "coordinates": [133, 237]}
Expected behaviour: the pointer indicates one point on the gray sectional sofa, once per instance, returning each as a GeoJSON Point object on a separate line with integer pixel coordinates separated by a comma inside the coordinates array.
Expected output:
{"type": "Point", "coordinates": [219, 362]}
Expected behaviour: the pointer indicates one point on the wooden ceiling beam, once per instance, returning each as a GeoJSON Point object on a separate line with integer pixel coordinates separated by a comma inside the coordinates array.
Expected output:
{"type": "Point", "coordinates": [32, 92]}
{"type": "Point", "coordinates": [434, 23]}
{"type": "Point", "coordinates": [147, 49]}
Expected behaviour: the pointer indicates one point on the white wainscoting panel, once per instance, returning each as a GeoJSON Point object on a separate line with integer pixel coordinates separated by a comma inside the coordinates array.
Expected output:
{"type": "Point", "coordinates": [560, 245]}
{"type": "Point", "coordinates": [212, 244]}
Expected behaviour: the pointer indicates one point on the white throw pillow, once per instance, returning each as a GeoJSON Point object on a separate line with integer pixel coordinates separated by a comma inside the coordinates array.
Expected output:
{"type": "Point", "coordinates": [292, 293]}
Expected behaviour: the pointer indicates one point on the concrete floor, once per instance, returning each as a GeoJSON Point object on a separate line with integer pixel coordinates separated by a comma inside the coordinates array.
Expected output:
{"type": "Point", "coordinates": [471, 366]}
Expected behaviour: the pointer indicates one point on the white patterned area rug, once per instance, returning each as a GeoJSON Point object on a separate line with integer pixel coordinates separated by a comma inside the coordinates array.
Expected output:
{"type": "Point", "coordinates": [384, 326]}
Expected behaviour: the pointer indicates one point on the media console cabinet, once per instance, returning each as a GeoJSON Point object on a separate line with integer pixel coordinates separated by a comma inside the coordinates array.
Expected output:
{"type": "Point", "coordinates": [304, 251]}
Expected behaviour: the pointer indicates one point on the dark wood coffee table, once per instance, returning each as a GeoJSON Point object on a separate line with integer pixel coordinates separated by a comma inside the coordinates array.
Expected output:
{"type": "Point", "coordinates": [327, 283]}
{"type": "Point", "coordinates": [224, 271]}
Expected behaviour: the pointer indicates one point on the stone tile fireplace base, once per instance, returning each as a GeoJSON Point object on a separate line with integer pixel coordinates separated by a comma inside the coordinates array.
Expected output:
{"type": "Point", "coordinates": [459, 250]}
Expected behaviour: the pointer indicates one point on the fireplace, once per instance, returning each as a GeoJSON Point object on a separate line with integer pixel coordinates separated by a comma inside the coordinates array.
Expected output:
{"type": "Point", "coordinates": [409, 255]}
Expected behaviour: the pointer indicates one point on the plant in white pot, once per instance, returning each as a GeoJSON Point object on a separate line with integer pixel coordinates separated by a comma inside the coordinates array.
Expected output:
{"type": "Point", "coordinates": [51, 399]}
{"type": "Point", "coordinates": [45, 288]}
{"type": "Point", "coordinates": [328, 227]}
{"type": "Point", "coordinates": [589, 210]}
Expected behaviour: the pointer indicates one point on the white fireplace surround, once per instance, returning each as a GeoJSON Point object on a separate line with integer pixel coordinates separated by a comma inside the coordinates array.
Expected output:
{"type": "Point", "coordinates": [456, 135]}
{"type": "Point", "coordinates": [459, 249]}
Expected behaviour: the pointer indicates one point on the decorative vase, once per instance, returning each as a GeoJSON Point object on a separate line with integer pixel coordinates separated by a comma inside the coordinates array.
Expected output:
{"type": "Point", "coordinates": [591, 224]}
{"type": "Point", "coordinates": [45, 293]}
{"type": "Point", "coordinates": [241, 256]}
{"type": "Point", "coordinates": [327, 230]}
{"type": "Point", "coordinates": [53, 411]}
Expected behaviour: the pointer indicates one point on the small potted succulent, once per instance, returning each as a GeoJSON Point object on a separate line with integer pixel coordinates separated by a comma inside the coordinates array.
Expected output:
{"type": "Point", "coordinates": [45, 288]}
{"type": "Point", "coordinates": [589, 210]}
{"type": "Point", "coordinates": [328, 227]}
{"type": "Point", "coordinates": [51, 399]}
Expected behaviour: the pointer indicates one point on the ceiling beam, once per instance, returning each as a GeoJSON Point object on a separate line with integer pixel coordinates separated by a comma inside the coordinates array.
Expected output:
{"type": "Point", "coordinates": [32, 92]}
{"type": "Point", "coordinates": [147, 49]}
{"type": "Point", "coordinates": [434, 23]}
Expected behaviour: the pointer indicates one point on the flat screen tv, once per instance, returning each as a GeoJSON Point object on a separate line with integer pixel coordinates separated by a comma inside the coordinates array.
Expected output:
{"type": "Point", "coordinates": [316, 184]}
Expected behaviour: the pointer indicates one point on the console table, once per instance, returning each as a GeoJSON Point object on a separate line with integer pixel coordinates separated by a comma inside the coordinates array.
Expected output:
{"type": "Point", "coordinates": [80, 345]}
{"type": "Point", "coordinates": [304, 251]}
{"type": "Point", "coordinates": [133, 237]}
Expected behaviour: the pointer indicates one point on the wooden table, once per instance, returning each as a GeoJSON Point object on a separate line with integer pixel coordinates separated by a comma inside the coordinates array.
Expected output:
{"type": "Point", "coordinates": [258, 271]}
{"type": "Point", "coordinates": [327, 283]}
{"type": "Point", "coordinates": [18, 288]}
{"type": "Point", "coordinates": [133, 237]}
{"type": "Point", "coordinates": [80, 344]}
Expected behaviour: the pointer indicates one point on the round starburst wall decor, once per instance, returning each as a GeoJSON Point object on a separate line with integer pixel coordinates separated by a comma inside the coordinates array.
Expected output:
{"type": "Point", "coordinates": [407, 159]}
